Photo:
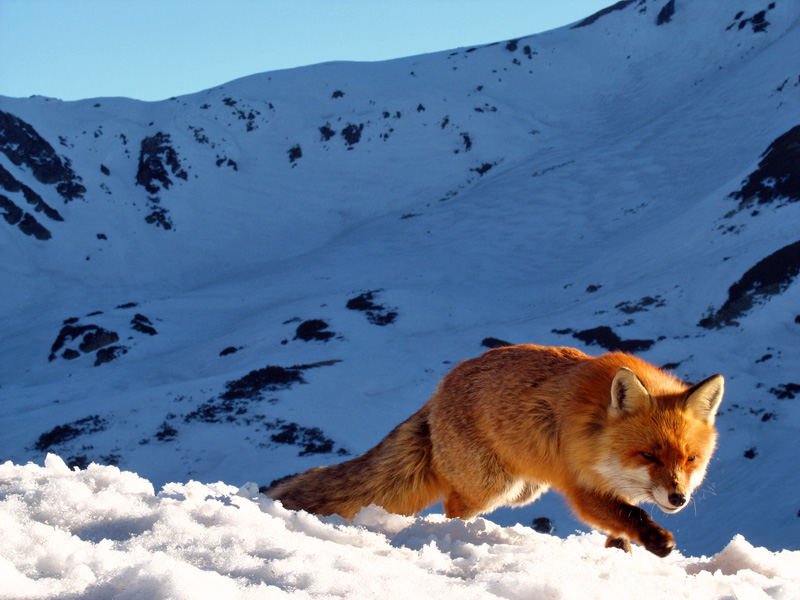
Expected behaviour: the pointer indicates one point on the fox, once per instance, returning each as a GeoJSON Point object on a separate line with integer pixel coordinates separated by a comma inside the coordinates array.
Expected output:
{"type": "Point", "coordinates": [608, 433]}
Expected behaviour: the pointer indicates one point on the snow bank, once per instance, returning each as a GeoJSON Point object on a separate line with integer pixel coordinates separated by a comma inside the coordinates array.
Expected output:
{"type": "Point", "coordinates": [105, 533]}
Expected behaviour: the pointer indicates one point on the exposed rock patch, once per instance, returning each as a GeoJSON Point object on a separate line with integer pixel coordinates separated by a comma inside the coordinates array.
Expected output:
{"type": "Point", "coordinates": [543, 525]}
{"type": "Point", "coordinates": [26, 222]}
{"type": "Point", "coordinates": [30, 226]}
{"type": "Point", "coordinates": [108, 354]}
{"type": "Point", "coordinates": [92, 337]}
{"type": "Point", "coordinates": [157, 161]}
{"type": "Point", "coordinates": [492, 342]}
{"type": "Point", "coordinates": [666, 12]}
{"type": "Point", "coordinates": [777, 179]}
{"type": "Point", "coordinates": [295, 152]}
{"type": "Point", "coordinates": [9, 183]}
{"type": "Point", "coordinates": [768, 277]}
{"type": "Point", "coordinates": [352, 134]}
{"type": "Point", "coordinates": [757, 21]}
{"type": "Point", "coordinates": [270, 378]}
{"type": "Point", "coordinates": [483, 169]}
{"type": "Point", "coordinates": [377, 314]}
{"type": "Point", "coordinates": [602, 13]}
{"type": "Point", "coordinates": [313, 329]}
{"type": "Point", "coordinates": [69, 431]}
{"type": "Point", "coordinates": [644, 304]}
{"type": "Point", "coordinates": [21, 143]}
{"type": "Point", "coordinates": [76, 339]}
{"type": "Point", "coordinates": [166, 432]}
{"type": "Point", "coordinates": [159, 216]}
{"type": "Point", "coordinates": [326, 133]}
{"type": "Point", "coordinates": [244, 113]}
{"type": "Point", "coordinates": [786, 391]}
{"type": "Point", "coordinates": [236, 403]}
{"type": "Point", "coordinates": [240, 393]}
{"type": "Point", "coordinates": [605, 337]}
{"type": "Point", "coordinates": [310, 440]}
{"type": "Point", "coordinates": [143, 325]}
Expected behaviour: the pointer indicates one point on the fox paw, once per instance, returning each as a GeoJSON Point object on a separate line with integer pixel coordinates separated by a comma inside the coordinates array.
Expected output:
{"type": "Point", "coordinates": [618, 542]}
{"type": "Point", "coordinates": [658, 541]}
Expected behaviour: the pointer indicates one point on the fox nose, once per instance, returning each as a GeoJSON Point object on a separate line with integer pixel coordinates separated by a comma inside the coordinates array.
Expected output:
{"type": "Point", "coordinates": [677, 499]}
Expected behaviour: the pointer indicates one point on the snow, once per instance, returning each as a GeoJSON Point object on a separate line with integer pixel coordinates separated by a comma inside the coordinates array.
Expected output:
{"type": "Point", "coordinates": [104, 533]}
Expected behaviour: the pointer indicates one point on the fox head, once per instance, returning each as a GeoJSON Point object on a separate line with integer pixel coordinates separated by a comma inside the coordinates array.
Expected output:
{"type": "Point", "coordinates": [660, 440]}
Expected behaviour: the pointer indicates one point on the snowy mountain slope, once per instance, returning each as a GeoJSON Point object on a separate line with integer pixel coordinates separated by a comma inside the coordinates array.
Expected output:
{"type": "Point", "coordinates": [565, 188]}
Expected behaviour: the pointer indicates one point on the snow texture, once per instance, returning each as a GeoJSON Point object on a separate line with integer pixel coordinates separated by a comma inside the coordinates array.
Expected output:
{"type": "Point", "coordinates": [104, 533]}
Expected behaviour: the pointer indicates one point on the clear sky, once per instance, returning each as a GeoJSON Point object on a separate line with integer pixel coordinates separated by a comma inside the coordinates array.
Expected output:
{"type": "Point", "coordinates": [154, 49]}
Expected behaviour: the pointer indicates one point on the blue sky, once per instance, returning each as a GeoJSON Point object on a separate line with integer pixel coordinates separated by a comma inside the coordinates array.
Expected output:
{"type": "Point", "coordinates": [151, 50]}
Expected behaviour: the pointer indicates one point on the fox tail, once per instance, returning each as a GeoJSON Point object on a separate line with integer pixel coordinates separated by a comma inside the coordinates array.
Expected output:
{"type": "Point", "coordinates": [397, 474]}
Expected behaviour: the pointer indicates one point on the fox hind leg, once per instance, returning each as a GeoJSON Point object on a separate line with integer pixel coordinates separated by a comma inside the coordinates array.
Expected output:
{"type": "Point", "coordinates": [456, 505]}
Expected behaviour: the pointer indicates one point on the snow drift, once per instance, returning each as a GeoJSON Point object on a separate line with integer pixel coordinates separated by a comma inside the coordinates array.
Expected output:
{"type": "Point", "coordinates": [104, 533]}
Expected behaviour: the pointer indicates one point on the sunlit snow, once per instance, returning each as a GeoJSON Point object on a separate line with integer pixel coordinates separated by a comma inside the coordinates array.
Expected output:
{"type": "Point", "coordinates": [104, 533]}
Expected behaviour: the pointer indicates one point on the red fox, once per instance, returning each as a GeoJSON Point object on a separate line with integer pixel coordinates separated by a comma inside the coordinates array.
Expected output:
{"type": "Point", "coordinates": [501, 429]}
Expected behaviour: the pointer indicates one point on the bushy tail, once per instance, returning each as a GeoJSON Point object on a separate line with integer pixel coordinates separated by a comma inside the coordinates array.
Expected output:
{"type": "Point", "coordinates": [397, 474]}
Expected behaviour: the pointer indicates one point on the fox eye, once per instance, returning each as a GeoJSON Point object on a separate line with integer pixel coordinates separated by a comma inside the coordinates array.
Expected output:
{"type": "Point", "coordinates": [648, 456]}
{"type": "Point", "coordinates": [691, 458]}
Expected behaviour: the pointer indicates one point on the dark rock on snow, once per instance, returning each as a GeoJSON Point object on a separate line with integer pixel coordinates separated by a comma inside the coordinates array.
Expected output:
{"type": "Point", "coordinates": [63, 433]}
{"type": "Point", "coordinates": [768, 277]}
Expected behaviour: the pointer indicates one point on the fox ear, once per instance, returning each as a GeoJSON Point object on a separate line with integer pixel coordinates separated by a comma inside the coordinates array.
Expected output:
{"type": "Point", "coordinates": [628, 395]}
{"type": "Point", "coordinates": [703, 398]}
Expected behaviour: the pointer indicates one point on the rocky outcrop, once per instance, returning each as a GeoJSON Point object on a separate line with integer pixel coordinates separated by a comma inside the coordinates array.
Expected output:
{"type": "Point", "coordinates": [158, 160]}
{"type": "Point", "coordinates": [666, 12]}
{"type": "Point", "coordinates": [777, 178]}
{"type": "Point", "coordinates": [770, 276]}
{"type": "Point", "coordinates": [23, 146]}
{"type": "Point", "coordinates": [591, 19]}
{"type": "Point", "coordinates": [15, 215]}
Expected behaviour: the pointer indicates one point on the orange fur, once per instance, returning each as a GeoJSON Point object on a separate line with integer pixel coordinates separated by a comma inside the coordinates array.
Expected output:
{"type": "Point", "coordinates": [607, 432]}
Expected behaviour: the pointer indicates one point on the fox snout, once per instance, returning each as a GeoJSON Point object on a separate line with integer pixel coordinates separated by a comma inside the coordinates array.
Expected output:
{"type": "Point", "coordinates": [677, 500]}
{"type": "Point", "coordinates": [670, 501]}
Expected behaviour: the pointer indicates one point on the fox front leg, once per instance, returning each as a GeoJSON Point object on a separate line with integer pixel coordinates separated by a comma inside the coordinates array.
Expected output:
{"type": "Point", "coordinates": [623, 521]}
